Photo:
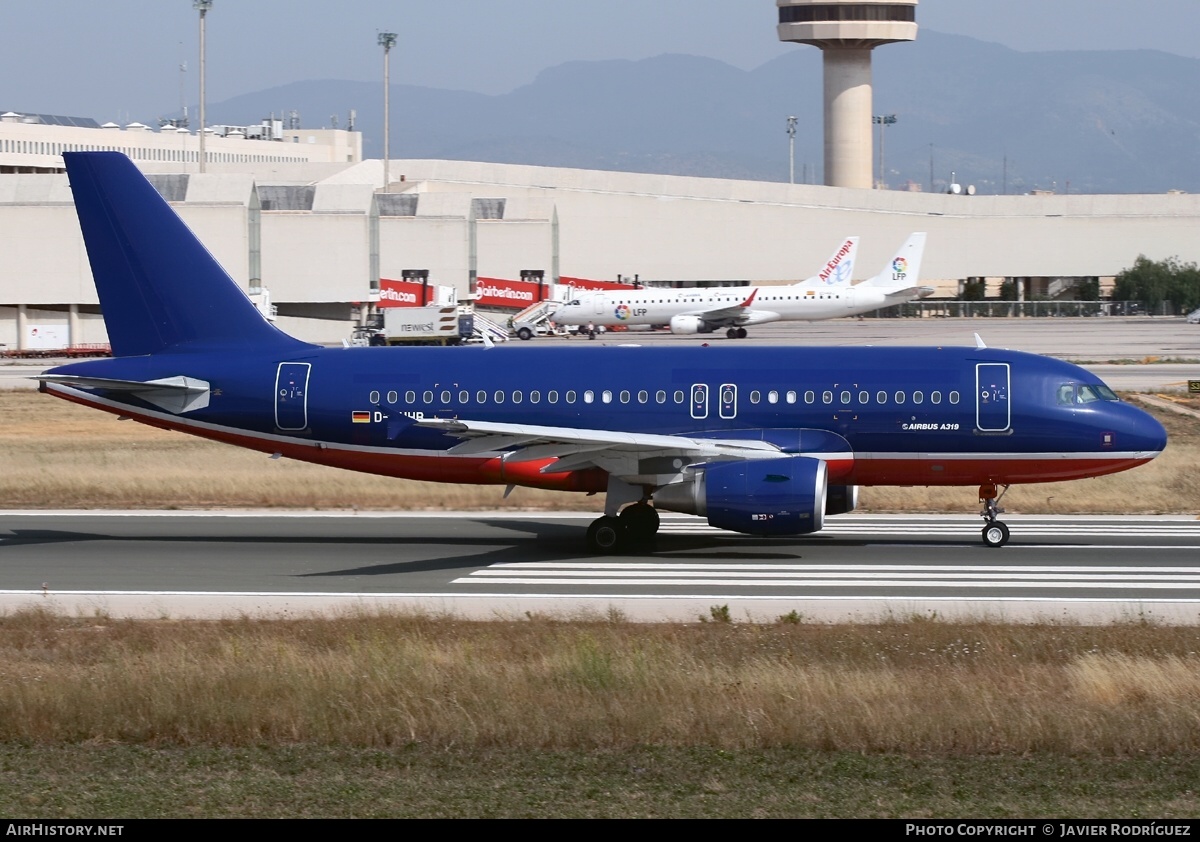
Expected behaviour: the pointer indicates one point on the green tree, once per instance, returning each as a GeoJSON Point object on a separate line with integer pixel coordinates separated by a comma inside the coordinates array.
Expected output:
{"type": "Point", "coordinates": [974, 290]}
{"type": "Point", "coordinates": [1154, 281]}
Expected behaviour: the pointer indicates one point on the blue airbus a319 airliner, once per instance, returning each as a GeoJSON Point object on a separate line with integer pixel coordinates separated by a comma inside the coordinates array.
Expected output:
{"type": "Point", "coordinates": [758, 440]}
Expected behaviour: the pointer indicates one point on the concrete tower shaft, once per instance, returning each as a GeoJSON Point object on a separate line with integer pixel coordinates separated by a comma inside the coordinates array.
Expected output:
{"type": "Point", "coordinates": [847, 31]}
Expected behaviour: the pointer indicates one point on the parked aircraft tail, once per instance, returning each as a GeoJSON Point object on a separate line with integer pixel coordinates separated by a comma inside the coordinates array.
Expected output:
{"type": "Point", "coordinates": [159, 287]}
{"type": "Point", "coordinates": [902, 274]}
{"type": "Point", "coordinates": [838, 270]}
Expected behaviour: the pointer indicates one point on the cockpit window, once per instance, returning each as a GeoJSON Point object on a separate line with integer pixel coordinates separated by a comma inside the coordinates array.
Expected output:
{"type": "Point", "coordinates": [1082, 393]}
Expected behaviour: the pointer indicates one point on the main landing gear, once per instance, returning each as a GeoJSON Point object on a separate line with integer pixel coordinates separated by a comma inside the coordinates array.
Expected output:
{"type": "Point", "coordinates": [636, 525]}
{"type": "Point", "coordinates": [995, 532]}
{"type": "Point", "coordinates": [735, 333]}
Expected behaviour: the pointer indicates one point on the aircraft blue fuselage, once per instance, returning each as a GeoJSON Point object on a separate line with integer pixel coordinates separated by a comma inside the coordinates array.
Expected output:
{"type": "Point", "coordinates": [999, 416]}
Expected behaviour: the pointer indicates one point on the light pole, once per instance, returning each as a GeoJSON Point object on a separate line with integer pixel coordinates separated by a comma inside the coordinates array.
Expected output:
{"type": "Point", "coordinates": [882, 120]}
{"type": "Point", "coordinates": [203, 7]}
{"type": "Point", "coordinates": [387, 40]}
{"type": "Point", "coordinates": [791, 130]}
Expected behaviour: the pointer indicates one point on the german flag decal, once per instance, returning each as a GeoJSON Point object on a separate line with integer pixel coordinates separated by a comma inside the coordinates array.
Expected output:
{"type": "Point", "coordinates": [361, 417]}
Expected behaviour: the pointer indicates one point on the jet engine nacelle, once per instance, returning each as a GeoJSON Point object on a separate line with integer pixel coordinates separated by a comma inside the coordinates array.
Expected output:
{"type": "Point", "coordinates": [841, 499]}
{"type": "Point", "coordinates": [688, 325]}
{"type": "Point", "coordinates": [784, 496]}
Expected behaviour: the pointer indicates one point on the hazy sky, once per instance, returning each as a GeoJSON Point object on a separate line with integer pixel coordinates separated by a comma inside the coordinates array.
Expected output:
{"type": "Point", "coordinates": [120, 59]}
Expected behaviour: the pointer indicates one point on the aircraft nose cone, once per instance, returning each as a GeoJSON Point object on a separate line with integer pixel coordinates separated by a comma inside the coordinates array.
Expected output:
{"type": "Point", "coordinates": [1140, 431]}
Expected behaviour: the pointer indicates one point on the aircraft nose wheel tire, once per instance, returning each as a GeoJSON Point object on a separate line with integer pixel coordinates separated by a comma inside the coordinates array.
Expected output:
{"type": "Point", "coordinates": [606, 535]}
{"type": "Point", "coordinates": [995, 534]}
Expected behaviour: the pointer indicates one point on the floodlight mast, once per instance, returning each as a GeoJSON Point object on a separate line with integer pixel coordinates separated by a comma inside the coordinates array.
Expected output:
{"type": "Point", "coordinates": [202, 6]}
{"type": "Point", "coordinates": [387, 40]}
{"type": "Point", "coordinates": [791, 130]}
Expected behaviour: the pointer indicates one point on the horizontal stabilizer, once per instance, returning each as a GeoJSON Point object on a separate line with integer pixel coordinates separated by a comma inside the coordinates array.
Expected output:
{"type": "Point", "coordinates": [177, 394]}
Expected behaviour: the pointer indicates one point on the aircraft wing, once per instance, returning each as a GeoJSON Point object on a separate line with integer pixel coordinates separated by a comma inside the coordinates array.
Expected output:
{"type": "Point", "coordinates": [574, 449]}
{"type": "Point", "coordinates": [726, 314]}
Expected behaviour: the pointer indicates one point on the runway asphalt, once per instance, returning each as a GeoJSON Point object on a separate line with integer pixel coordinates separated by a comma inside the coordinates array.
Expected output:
{"type": "Point", "coordinates": [486, 565]}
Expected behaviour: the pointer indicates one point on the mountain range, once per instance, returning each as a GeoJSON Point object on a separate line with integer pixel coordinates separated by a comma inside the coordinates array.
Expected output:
{"type": "Point", "coordinates": [966, 110]}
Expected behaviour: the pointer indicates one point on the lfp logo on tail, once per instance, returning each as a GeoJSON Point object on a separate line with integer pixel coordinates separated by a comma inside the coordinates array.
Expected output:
{"type": "Point", "coordinates": [899, 269]}
{"type": "Point", "coordinates": [840, 267]}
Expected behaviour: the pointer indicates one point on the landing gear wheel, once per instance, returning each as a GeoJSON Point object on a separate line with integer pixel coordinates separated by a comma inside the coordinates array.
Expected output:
{"type": "Point", "coordinates": [606, 535]}
{"type": "Point", "coordinates": [995, 534]}
{"type": "Point", "coordinates": [741, 333]}
{"type": "Point", "coordinates": [640, 521]}
{"type": "Point", "coordinates": [731, 333]}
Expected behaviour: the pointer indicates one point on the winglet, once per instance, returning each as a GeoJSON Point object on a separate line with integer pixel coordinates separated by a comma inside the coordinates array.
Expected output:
{"type": "Point", "coordinates": [749, 300]}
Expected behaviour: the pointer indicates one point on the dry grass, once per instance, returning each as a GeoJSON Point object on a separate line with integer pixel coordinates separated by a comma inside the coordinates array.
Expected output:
{"type": "Point", "coordinates": [59, 455]}
{"type": "Point", "coordinates": [918, 687]}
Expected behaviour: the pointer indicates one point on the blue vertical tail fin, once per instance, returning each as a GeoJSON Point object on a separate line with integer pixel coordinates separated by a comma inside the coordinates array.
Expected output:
{"type": "Point", "coordinates": [159, 287]}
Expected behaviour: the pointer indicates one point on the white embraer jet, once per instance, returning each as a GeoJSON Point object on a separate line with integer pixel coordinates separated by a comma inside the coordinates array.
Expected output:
{"type": "Point", "coordinates": [827, 295]}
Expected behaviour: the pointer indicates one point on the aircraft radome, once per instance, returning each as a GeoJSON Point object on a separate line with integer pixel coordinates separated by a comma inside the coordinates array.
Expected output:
{"type": "Point", "coordinates": [757, 440]}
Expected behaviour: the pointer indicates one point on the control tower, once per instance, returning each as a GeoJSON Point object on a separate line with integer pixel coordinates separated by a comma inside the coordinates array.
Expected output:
{"type": "Point", "coordinates": [847, 31]}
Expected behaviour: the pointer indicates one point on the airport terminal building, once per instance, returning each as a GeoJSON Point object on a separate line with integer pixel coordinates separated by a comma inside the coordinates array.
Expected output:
{"type": "Point", "coordinates": [300, 215]}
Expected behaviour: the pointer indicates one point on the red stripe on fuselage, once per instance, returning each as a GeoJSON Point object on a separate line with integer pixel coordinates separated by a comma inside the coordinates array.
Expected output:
{"type": "Point", "coordinates": [467, 470]}
{"type": "Point", "coordinates": [489, 470]}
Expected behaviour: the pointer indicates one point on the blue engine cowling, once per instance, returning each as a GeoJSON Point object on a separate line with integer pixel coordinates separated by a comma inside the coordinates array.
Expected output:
{"type": "Point", "coordinates": [766, 496]}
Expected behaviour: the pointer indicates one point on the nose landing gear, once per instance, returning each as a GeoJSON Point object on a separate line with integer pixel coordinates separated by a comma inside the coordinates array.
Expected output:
{"type": "Point", "coordinates": [995, 532]}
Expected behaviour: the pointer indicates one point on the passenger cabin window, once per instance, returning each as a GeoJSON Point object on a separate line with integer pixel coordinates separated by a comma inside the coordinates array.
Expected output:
{"type": "Point", "coordinates": [918, 397]}
{"type": "Point", "coordinates": [393, 397]}
{"type": "Point", "coordinates": [427, 397]}
{"type": "Point", "coordinates": [464, 396]}
{"type": "Point", "coordinates": [481, 396]}
{"type": "Point", "coordinates": [552, 396]}
{"type": "Point", "coordinates": [374, 396]}
{"type": "Point", "coordinates": [410, 397]}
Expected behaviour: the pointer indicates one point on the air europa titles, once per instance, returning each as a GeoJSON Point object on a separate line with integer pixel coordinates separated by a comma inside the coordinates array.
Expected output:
{"type": "Point", "coordinates": [834, 271]}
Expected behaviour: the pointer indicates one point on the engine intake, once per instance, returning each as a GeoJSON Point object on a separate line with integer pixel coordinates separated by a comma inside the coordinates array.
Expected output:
{"type": "Point", "coordinates": [688, 325]}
